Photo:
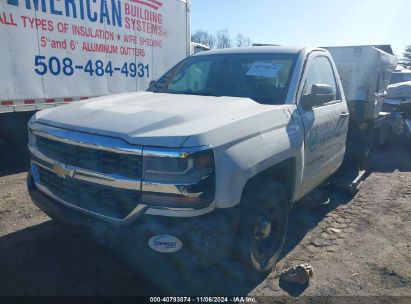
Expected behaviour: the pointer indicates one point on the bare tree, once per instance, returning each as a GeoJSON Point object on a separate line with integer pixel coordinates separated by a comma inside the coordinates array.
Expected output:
{"type": "Point", "coordinates": [223, 39]}
{"type": "Point", "coordinates": [220, 40]}
{"type": "Point", "coordinates": [406, 60]}
{"type": "Point", "coordinates": [242, 41]}
{"type": "Point", "coordinates": [203, 37]}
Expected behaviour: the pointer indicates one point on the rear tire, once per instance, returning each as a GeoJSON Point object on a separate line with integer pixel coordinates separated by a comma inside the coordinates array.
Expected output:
{"type": "Point", "coordinates": [262, 228]}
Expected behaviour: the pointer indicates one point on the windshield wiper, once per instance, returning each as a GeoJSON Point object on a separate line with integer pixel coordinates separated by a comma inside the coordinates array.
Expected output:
{"type": "Point", "coordinates": [199, 93]}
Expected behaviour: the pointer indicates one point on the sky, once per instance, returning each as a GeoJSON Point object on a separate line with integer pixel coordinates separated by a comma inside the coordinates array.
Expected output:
{"type": "Point", "coordinates": [309, 22]}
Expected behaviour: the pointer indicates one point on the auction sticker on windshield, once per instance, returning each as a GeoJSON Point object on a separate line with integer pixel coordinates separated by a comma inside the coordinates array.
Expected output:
{"type": "Point", "coordinates": [264, 69]}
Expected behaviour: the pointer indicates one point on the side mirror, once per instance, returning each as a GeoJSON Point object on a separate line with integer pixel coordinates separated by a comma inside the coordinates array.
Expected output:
{"type": "Point", "coordinates": [320, 94]}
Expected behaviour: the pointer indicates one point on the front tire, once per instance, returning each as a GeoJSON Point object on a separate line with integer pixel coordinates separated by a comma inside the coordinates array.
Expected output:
{"type": "Point", "coordinates": [262, 228]}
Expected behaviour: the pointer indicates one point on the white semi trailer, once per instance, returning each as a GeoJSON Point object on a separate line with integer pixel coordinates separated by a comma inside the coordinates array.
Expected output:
{"type": "Point", "coordinates": [56, 52]}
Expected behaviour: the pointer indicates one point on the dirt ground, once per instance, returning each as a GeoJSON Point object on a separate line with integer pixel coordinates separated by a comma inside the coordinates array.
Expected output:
{"type": "Point", "coordinates": [358, 247]}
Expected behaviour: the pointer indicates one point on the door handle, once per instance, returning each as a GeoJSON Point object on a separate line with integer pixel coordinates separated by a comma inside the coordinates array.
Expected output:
{"type": "Point", "coordinates": [344, 114]}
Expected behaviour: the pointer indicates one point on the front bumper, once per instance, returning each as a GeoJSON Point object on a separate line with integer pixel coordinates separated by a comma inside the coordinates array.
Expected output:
{"type": "Point", "coordinates": [206, 239]}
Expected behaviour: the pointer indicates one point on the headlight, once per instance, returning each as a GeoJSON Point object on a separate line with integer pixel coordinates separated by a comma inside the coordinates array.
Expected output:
{"type": "Point", "coordinates": [178, 179]}
{"type": "Point", "coordinates": [180, 167]}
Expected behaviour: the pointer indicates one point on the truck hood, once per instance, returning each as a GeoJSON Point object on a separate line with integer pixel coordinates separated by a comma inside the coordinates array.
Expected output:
{"type": "Point", "coordinates": [157, 119]}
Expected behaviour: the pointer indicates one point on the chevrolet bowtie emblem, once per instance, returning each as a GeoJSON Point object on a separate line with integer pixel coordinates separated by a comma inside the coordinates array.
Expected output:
{"type": "Point", "coordinates": [61, 171]}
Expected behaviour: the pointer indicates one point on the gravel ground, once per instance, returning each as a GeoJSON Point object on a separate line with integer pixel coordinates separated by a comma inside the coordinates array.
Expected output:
{"type": "Point", "coordinates": [358, 247]}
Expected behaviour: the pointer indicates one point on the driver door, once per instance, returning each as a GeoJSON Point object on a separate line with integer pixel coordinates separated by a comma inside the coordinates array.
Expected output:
{"type": "Point", "coordinates": [325, 125]}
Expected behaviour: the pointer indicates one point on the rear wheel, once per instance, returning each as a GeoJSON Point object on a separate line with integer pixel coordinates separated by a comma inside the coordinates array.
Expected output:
{"type": "Point", "coordinates": [263, 225]}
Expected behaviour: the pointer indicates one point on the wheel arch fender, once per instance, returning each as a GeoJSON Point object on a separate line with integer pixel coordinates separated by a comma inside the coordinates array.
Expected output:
{"type": "Point", "coordinates": [283, 172]}
{"type": "Point", "coordinates": [233, 180]}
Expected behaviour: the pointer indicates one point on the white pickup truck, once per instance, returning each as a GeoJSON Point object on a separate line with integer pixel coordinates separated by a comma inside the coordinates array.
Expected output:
{"type": "Point", "coordinates": [206, 163]}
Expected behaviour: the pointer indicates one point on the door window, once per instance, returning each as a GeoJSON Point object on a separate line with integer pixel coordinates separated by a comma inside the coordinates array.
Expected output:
{"type": "Point", "coordinates": [320, 71]}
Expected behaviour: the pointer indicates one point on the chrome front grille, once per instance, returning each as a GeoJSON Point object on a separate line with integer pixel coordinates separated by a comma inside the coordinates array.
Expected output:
{"type": "Point", "coordinates": [97, 175]}
{"type": "Point", "coordinates": [108, 201]}
{"type": "Point", "coordinates": [107, 162]}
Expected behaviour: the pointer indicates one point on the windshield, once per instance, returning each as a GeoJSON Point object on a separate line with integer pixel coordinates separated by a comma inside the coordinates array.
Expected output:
{"type": "Point", "coordinates": [262, 77]}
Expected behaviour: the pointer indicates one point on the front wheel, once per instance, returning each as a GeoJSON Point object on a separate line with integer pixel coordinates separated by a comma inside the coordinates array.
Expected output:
{"type": "Point", "coordinates": [262, 228]}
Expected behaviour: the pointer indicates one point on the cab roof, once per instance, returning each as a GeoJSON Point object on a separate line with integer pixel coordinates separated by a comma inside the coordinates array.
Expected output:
{"type": "Point", "coordinates": [259, 49]}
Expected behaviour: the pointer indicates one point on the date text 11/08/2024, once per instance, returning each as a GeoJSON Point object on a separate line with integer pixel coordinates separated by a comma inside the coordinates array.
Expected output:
{"type": "Point", "coordinates": [55, 66]}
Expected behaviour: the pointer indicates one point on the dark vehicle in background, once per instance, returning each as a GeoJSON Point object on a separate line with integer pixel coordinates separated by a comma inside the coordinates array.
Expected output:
{"type": "Point", "coordinates": [398, 103]}
{"type": "Point", "coordinates": [400, 76]}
